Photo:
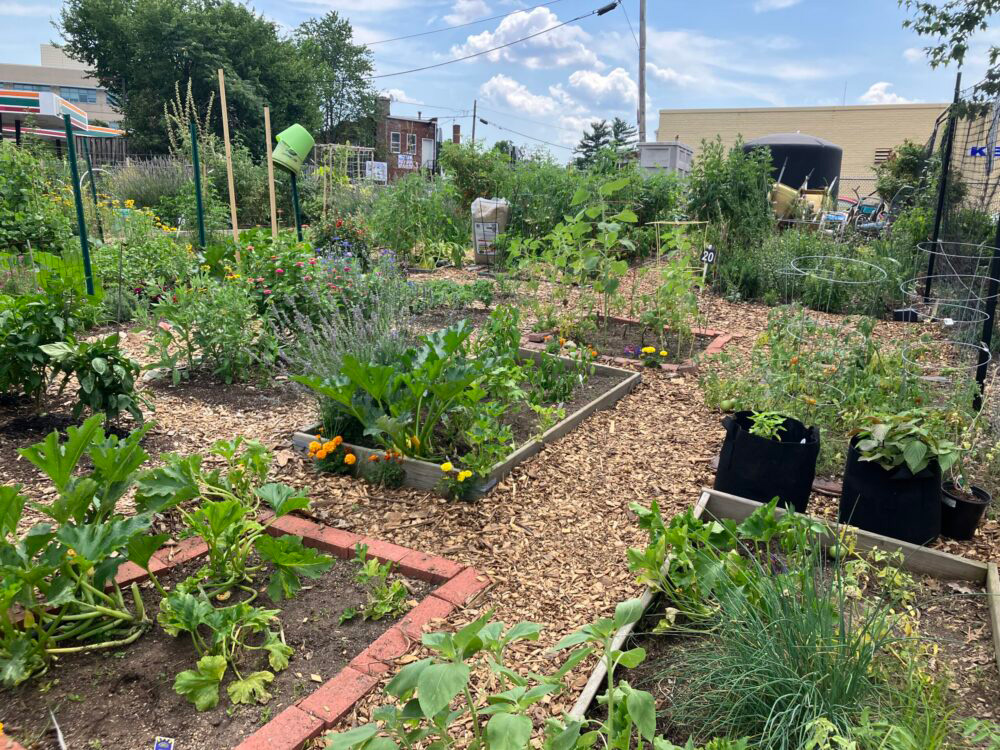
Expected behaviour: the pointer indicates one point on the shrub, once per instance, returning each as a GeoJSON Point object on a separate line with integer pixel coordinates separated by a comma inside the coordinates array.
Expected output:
{"type": "Point", "coordinates": [211, 325]}
{"type": "Point", "coordinates": [30, 212]}
{"type": "Point", "coordinates": [730, 189]}
{"type": "Point", "coordinates": [147, 183]}
{"type": "Point", "coordinates": [27, 323]}
{"type": "Point", "coordinates": [416, 210]}
{"type": "Point", "coordinates": [475, 171]}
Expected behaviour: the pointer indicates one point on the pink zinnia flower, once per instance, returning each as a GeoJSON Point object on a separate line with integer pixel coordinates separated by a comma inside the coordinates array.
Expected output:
{"type": "Point", "coordinates": [250, 248]}
{"type": "Point", "coordinates": [299, 264]}
{"type": "Point", "coordinates": [164, 325]}
{"type": "Point", "coordinates": [309, 278]}
{"type": "Point", "coordinates": [267, 291]}
{"type": "Point", "coordinates": [312, 261]}
{"type": "Point", "coordinates": [279, 270]}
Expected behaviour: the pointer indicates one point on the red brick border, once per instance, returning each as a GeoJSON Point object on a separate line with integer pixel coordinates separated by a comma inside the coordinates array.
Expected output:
{"type": "Point", "coordinates": [719, 340]}
{"type": "Point", "coordinates": [336, 697]}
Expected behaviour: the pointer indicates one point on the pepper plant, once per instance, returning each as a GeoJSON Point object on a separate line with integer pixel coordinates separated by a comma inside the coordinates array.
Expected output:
{"type": "Point", "coordinates": [57, 590]}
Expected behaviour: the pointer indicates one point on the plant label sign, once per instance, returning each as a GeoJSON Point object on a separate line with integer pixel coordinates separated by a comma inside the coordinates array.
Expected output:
{"type": "Point", "coordinates": [708, 255]}
{"type": "Point", "coordinates": [163, 743]}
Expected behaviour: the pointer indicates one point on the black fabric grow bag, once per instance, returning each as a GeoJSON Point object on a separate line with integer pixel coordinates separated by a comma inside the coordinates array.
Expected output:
{"type": "Point", "coordinates": [961, 516]}
{"type": "Point", "coordinates": [894, 503]}
{"type": "Point", "coordinates": [760, 469]}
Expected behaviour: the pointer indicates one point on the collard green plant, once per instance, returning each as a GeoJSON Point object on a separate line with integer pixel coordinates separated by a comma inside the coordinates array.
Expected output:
{"type": "Point", "coordinates": [105, 375]}
{"type": "Point", "coordinates": [913, 437]}
{"type": "Point", "coordinates": [59, 574]}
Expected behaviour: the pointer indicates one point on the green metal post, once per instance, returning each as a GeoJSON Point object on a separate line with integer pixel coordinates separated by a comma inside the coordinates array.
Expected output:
{"type": "Point", "coordinates": [88, 274]}
{"type": "Point", "coordinates": [197, 186]}
{"type": "Point", "coordinates": [93, 187]}
{"type": "Point", "coordinates": [295, 208]}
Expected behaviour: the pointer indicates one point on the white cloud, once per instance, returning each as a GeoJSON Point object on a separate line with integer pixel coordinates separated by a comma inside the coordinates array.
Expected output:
{"type": "Point", "coordinates": [503, 90]}
{"type": "Point", "coordinates": [878, 93]}
{"type": "Point", "coordinates": [26, 10]}
{"type": "Point", "coordinates": [464, 11]}
{"type": "Point", "coordinates": [567, 45]}
{"type": "Point", "coordinates": [368, 6]}
{"type": "Point", "coordinates": [616, 89]}
{"type": "Point", "coordinates": [398, 95]}
{"type": "Point", "coordinates": [913, 54]}
{"type": "Point", "coordinates": [763, 6]}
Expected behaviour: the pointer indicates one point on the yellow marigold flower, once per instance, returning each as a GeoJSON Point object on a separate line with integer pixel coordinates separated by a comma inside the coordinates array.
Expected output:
{"type": "Point", "coordinates": [446, 466]}
{"type": "Point", "coordinates": [663, 352]}
{"type": "Point", "coordinates": [349, 459]}
{"type": "Point", "coordinates": [648, 349]}
{"type": "Point", "coordinates": [321, 454]}
{"type": "Point", "coordinates": [329, 446]}
{"type": "Point", "coordinates": [463, 475]}
{"type": "Point", "coordinates": [314, 446]}
{"type": "Point", "coordinates": [130, 203]}
{"type": "Point", "coordinates": [312, 454]}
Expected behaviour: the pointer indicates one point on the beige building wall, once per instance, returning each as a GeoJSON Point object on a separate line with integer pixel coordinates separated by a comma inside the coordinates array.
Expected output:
{"type": "Point", "coordinates": [863, 131]}
{"type": "Point", "coordinates": [65, 77]}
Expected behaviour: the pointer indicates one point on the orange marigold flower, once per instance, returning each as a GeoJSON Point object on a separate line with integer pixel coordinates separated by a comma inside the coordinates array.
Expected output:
{"type": "Point", "coordinates": [337, 441]}
{"type": "Point", "coordinates": [373, 457]}
{"type": "Point", "coordinates": [329, 446]}
{"type": "Point", "coordinates": [321, 454]}
{"type": "Point", "coordinates": [314, 446]}
{"type": "Point", "coordinates": [350, 458]}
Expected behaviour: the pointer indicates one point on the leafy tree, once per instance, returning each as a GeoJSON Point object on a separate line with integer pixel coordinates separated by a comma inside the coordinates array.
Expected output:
{"type": "Point", "coordinates": [474, 170]}
{"type": "Point", "coordinates": [623, 136]}
{"type": "Point", "coordinates": [507, 148]}
{"type": "Point", "coordinates": [593, 142]}
{"type": "Point", "coordinates": [139, 49]}
{"type": "Point", "coordinates": [951, 25]}
{"type": "Point", "coordinates": [340, 72]}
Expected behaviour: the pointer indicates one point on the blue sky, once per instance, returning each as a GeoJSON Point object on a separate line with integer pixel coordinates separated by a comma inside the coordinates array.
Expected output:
{"type": "Point", "coordinates": [716, 53]}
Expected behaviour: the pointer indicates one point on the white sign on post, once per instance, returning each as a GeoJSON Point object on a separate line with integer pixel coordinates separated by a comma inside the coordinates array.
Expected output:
{"type": "Point", "coordinates": [377, 171]}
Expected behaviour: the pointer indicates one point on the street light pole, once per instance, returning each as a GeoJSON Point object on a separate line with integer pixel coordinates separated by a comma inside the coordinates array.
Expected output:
{"type": "Point", "coordinates": [642, 71]}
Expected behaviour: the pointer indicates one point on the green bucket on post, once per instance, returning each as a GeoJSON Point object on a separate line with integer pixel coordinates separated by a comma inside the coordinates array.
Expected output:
{"type": "Point", "coordinates": [294, 145]}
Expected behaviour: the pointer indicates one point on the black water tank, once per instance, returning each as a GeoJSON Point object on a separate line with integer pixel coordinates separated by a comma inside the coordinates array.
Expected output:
{"type": "Point", "coordinates": [802, 157]}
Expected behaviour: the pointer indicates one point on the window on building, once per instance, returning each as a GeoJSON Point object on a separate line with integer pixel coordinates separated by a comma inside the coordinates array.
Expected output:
{"type": "Point", "coordinates": [112, 100]}
{"type": "Point", "coordinates": [882, 155]}
{"type": "Point", "coordinates": [394, 142]}
{"type": "Point", "coordinates": [411, 143]}
{"type": "Point", "coordinates": [28, 87]}
{"type": "Point", "coordinates": [78, 94]}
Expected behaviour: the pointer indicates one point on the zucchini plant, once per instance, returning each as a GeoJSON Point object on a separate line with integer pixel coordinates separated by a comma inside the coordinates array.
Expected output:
{"type": "Point", "coordinates": [57, 590]}
{"type": "Point", "coordinates": [223, 507]}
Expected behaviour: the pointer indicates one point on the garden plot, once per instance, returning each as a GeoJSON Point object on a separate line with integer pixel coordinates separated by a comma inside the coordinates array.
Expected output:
{"type": "Point", "coordinates": [122, 697]}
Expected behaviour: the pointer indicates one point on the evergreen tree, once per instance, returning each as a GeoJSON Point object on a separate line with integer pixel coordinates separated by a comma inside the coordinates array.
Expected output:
{"type": "Point", "coordinates": [593, 141]}
{"type": "Point", "coordinates": [623, 136]}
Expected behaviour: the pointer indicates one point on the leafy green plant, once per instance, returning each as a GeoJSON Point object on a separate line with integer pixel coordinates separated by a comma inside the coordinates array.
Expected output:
{"type": "Point", "coordinates": [27, 323]}
{"type": "Point", "coordinates": [60, 573]}
{"type": "Point", "coordinates": [221, 636]}
{"type": "Point", "coordinates": [912, 437]}
{"type": "Point", "coordinates": [106, 377]}
{"type": "Point", "coordinates": [401, 405]}
{"type": "Point", "coordinates": [212, 325]}
{"type": "Point", "coordinates": [385, 470]}
{"type": "Point", "coordinates": [553, 379]}
{"type": "Point", "coordinates": [224, 515]}
{"type": "Point", "coordinates": [385, 599]}
{"type": "Point", "coordinates": [767, 424]}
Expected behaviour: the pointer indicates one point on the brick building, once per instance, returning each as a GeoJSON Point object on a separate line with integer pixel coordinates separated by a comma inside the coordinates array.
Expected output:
{"type": "Point", "coordinates": [409, 143]}
{"type": "Point", "coordinates": [866, 133]}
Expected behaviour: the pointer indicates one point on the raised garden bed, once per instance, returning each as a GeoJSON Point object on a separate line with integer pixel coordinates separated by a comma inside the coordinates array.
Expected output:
{"type": "Point", "coordinates": [915, 559]}
{"type": "Point", "coordinates": [618, 341]}
{"type": "Point", "coordinates": [424, 475]}
{"type": "Point", "coordinates": [304, 707]}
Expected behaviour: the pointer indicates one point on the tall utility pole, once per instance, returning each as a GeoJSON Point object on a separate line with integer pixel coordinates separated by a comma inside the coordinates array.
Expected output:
{"type": "Point", "coordinates": [642, 71]}
{"type": "Point", "coordinates": [474, 103]}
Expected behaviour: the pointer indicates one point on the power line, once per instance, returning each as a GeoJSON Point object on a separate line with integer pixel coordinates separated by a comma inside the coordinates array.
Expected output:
{"type": "Point", "coordinates": [598, 12]}
{"type": "Point", "coordinates": [524, 135]}
{"type": "Point", "coordinates": [622, 6]}
{"type": "Point", "coordinates": [525, 119]}
{"type": "Point", "coordinates": [462, 25]}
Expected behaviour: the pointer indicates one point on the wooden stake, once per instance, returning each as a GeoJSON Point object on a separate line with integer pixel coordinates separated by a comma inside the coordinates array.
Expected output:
{"type": "Point", "coordinates": [229, 163]}
{"type": "Point", "coordinates": [270, 174]}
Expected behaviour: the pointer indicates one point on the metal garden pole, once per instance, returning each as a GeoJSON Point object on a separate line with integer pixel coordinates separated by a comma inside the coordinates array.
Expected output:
{"type": "Point", "coordinates": [93, 187]}
{"type": "Point", "coordinates": [197, 186]}
{"type": "Point", "coordinates": [295, 208]}
{"type": "Point", "coordinates": [991, 311]}
{"type": "Point", "coordinates": [942, 188]}
{"type": "Point", "coordinates": [88, 274]}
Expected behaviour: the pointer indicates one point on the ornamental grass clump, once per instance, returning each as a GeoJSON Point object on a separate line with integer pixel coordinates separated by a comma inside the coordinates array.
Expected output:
{"type": "Point", "coordinates": [792, 642]}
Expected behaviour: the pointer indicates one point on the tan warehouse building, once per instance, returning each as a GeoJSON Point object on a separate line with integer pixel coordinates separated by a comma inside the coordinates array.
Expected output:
{"type": "Point", "coordinates": [866, 133]}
